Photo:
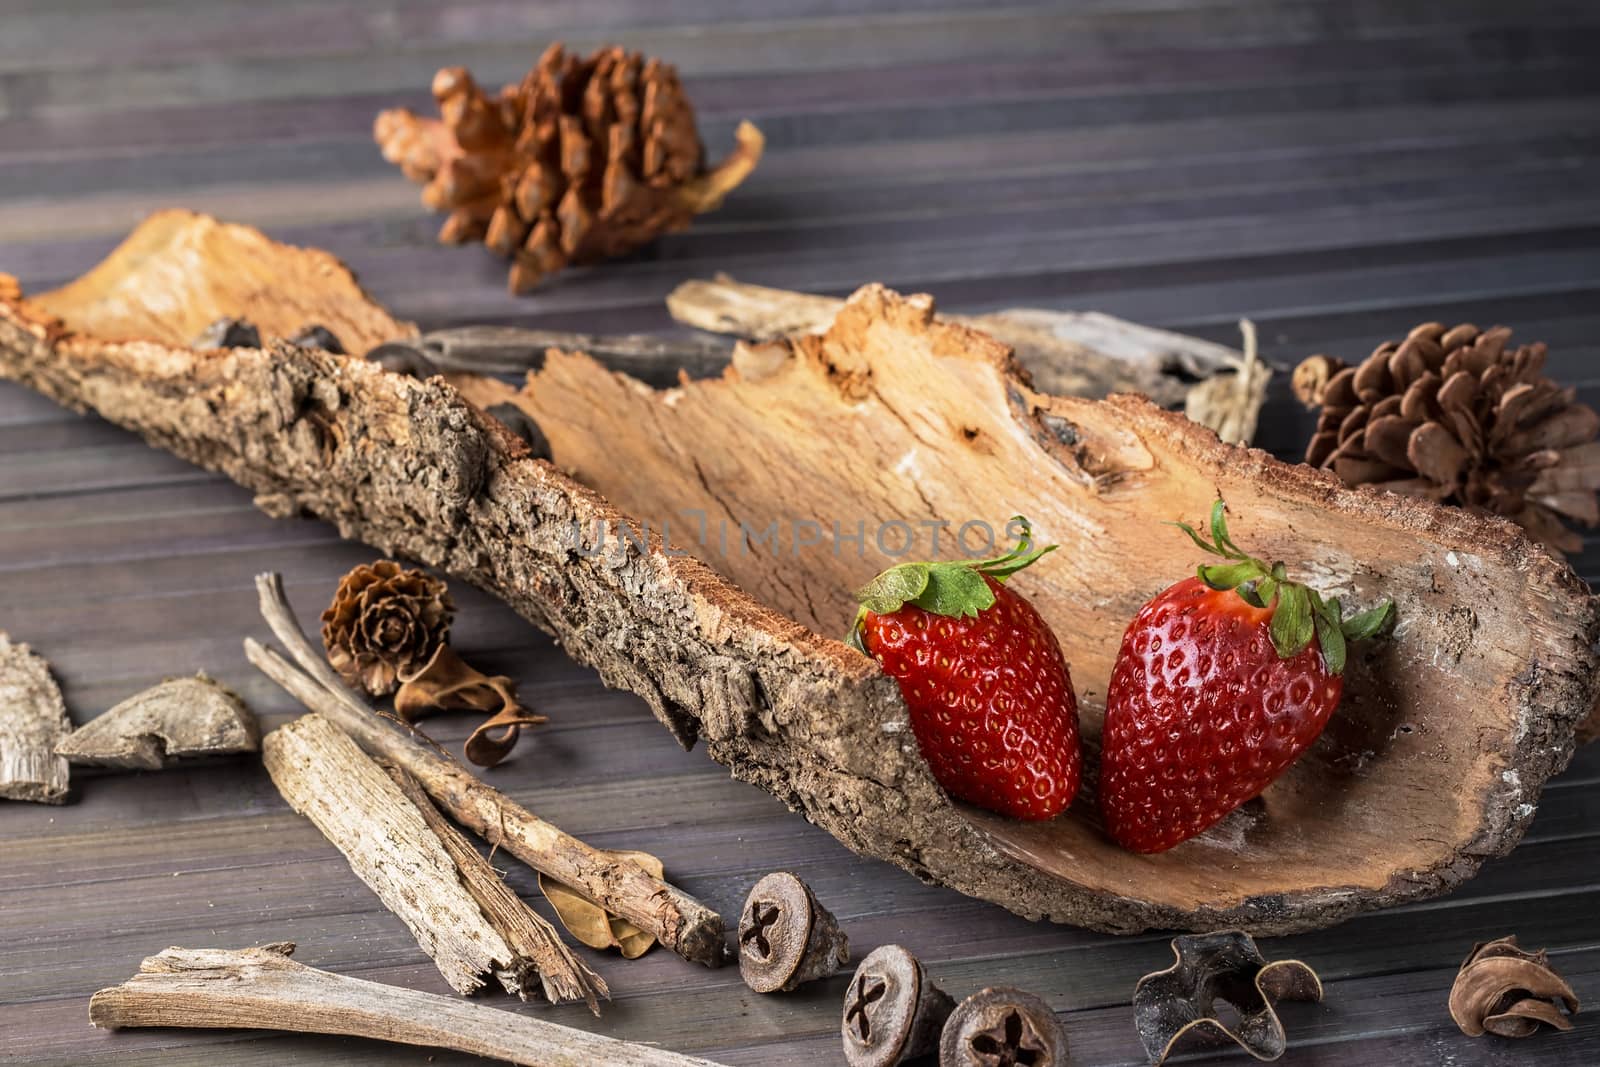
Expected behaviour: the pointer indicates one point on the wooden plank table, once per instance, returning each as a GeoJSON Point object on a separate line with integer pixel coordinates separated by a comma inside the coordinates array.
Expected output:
{"type": "Point", "coordinates": [1336, 171]}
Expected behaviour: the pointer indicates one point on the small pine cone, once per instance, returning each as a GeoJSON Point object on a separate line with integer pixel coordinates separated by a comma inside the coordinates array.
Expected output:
{"type": "Point", "coordinates": [584, 160]}
{"type": "Point", "coordinates": [384, 622]}
{"type": "Point", "coordinates": [1460, 417]}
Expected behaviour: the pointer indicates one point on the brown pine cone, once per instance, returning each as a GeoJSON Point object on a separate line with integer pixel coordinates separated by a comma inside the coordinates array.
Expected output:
{"type": "Point", "coordinates": [1461, 417]}
{"type": "Point", "coordinates": [384, 622]}
{"type": "Point", "coordinates": [585, 160]}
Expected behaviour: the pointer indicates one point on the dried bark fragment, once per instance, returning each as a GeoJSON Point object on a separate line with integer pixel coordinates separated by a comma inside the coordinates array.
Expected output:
{"type": "Point", "coordinates": [417, 470]}
{"type": "Point", "coordinates": [261, 988]}
{"type": "Point", "coordinates": [1225, 966]}
{"type": "Point", "coordinates": [1066, 353]}
{"type": "Point", "coordinates": [1504, 990]}
{"type": "Point", "coordinates": [181, 718]}
{"type": "Point", "coordinates": [33, 721]}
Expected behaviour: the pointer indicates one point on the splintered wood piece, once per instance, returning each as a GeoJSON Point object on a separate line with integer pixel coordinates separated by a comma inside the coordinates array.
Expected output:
{"type": "Point", "coordinates": [1433, 764]}
{"type": "Point", "coordinates": [327, 778]}
{"type": "Point", "coordinates": [33, 720]}
{"type": "Point", "coordinates": [180, 718]}
{"type": "Point", "coordinates": [529, 934]}
{"type": "Point", "coordinates": [261, 988]}
{"type": "Point", "coordinates": [1067, 353]}
{"type": "Point", "coordinates": [618, 885]}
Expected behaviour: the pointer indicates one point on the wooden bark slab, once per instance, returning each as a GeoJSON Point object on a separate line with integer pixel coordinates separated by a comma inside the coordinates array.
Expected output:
{"type": "Point", "coordinates": [1434, 763]}
{"type": "Point", "coordinates": [32, 721]}
{"type": "Point", "coordinates": [180, 718]}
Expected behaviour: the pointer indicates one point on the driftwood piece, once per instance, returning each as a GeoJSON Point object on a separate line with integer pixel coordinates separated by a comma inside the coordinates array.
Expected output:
{"type": "Point", "coordinates": [530, 935]}
{"type": "Point", "coordinates": [180, 718]}
{"type": "Point", "coordinates": [512, 350]}
{"type": "Point", "coordinates": [33, 720]}
{"type": "Point", "coordinates": [622, 887]}
{"type": "Point", "coordinates": [261, 988]}
{"type": "Point", "coordinates": [1434, 763]}
{"type": "Point", "coordinates": [326, 777]}
{"type": "Point", "coordinates": [1066, 353]}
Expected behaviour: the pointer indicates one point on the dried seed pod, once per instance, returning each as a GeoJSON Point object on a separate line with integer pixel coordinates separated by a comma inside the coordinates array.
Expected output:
{"type": "Point", "coordinates": [384, 622]}
{"type": "Point", "coordinates": [892, 1012]}
{"type": "Point", "coordinates": [582, 161]}
{"type": "Point", "coordinates": [1503, 989]}
{"type": "Point", "coordinates": [315, 335]}
{"type": "Point", "coordinates": [786, 938]}
{"type": "Point", "coordinates": [1002, 1027]}
{"type": "Point", "coordinates": [229, 333]}
{"type": "Point", "coordinates": [1224, 966]}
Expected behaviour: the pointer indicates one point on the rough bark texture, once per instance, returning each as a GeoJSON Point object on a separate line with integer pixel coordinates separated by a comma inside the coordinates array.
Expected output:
{"type": "Point", "coordinates": [326, 777]}
{"type": "Point", "coordinates": [32, 721]}
{"type": "Point", "coordinates": [1066, 353]}
{"type": "Point", "coordinates": [529, 934]}
{"type": "Point", "coordinates": [181, 718]}
{"type": "Point", "coordinates": [263, 989]}
{"type": "Point", "coordinates": [1434, 764]}
{"type": "Point", "coordinates": [622, 887]}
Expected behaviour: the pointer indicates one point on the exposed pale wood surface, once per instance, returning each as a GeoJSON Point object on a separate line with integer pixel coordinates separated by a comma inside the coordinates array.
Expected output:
{"type": "Point", "coordinates": [1334, 172]}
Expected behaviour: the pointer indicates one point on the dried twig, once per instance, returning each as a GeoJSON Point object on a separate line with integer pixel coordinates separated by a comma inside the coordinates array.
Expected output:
{"type": "Point", "coordinates": [263, 989]}
{"type": "Point", "coordinates": [677, 920]}
{"type": "Point", "coordinates": [529, 934]}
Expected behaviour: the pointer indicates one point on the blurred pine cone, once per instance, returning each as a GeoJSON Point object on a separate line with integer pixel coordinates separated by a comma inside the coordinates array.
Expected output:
{"type": "Point", "coordinates": [384, 622]}
{"type": "Point", "coordinates": [584, 160]}
{"type": "Point", "coordinates": [1458, 416]}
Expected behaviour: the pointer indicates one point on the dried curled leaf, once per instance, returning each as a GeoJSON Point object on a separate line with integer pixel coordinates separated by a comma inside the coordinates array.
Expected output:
{"type": "Point", "coordinates": [385, 621]}
{"type": "Point", "coordinates": [1505, 990]}
{"type": "Point", "coordinates": [592, 924]}
{"type": "Point", "coordinates": [447, 683]}
{"type": "Point", "coordinates": [1223, 966]}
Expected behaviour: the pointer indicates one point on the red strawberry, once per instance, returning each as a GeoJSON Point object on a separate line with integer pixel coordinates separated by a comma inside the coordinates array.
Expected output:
{"type": "Point", "coordinates": [1222, 682]}
{"type": "Point", "coordinates": [990, 698]}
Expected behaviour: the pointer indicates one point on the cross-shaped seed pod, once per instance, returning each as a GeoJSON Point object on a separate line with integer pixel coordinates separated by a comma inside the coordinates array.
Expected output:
{"type": "Point", "coordinates": [786, 938]}
{"type": "Point", "coordinates": [892, 1012]}
{"type": "Point", "coordinates": [1000, 1028]}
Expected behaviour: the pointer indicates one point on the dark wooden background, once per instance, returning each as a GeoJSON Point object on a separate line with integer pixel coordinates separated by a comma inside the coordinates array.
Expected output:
{"type": "Point", "coordinates": [1337, 170]}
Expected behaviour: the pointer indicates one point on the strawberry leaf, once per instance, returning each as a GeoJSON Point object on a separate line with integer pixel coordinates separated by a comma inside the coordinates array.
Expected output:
{"type": "Point", "coordinates": [954, 590]}
{"type": "Point", "coordinates": [1331, 640]}
{"type": "Point", "coordinates": [1229, 575]}
{"type": "Point", "coordinates": [1291, 626]}
{"type": "Point", "coordinates": [1369, 623]}
{"type": "Point", "coordinates": [894, 587]}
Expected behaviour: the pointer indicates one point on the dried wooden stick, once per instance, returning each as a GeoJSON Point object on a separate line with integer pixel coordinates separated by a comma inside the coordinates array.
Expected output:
{"type": "Point", "coordinates": [529, 934]}
{"type": "Point", "coordinates": [678, 921]}
{"type": "Point", "coordinates": [263, 989]}
{"type": "Point", "coordinates": [326, 777]}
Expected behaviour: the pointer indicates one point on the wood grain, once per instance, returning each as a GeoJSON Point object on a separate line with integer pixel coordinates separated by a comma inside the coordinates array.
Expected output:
{"type": "Point", "coordinates": [1335, 171]}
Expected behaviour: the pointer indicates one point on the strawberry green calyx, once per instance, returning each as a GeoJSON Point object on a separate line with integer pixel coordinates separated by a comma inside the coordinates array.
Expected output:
{"type": "Point", "coordinates": [1298, 611]}
{"type": "Point", "coordinates": [955, 588]}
